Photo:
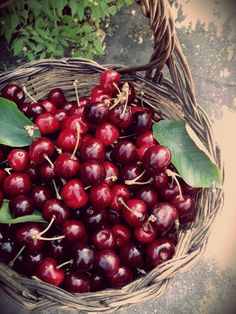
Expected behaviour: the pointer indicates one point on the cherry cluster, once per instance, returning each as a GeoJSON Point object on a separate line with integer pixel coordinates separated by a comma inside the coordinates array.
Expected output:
{"type": "Point", "coordinates": [111, 200]}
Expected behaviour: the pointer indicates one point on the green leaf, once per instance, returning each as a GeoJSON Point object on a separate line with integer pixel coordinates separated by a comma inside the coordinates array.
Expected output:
{"type": "Point", "coordinates": [6, 218]}
{"type": "Point", "coordinates": [80, 10]}
{"type": "Point", "coordinates": [73, 4]}
{"type": "Point", "coordinates": [35, 6]}
{"type": "Point", "coordinates": [17, 46]}
{"type": "Point", "coordinates": [13, 124]}
{"type": "Point", "coordinates": [59, 5]}
{"type": "Point", "coordinates": [193, 165]}
{"type": "Point", "coordinates": [112, 10]}
{"type": "Point", "coordinates": [98, 46]}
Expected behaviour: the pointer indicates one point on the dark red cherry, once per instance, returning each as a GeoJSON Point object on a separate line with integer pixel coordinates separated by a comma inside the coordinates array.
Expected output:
{"type": "Point", "coordinates": [48, 272]}
{"type": "Point", "coordinates": [94, 218]}
{"type": "Point", "coordinates": [145, 233]}
{"type": "Point", "coordinates": [84, 256]}
{"type": "Point", "coordinates": [73, 230]}
{"type": "Point", "coordinates": [66, 165]}
{"type": "Point", "coordinates": [147, 195]}
{"type": "Point", "coordinates": [125, 152]}
{"type": "Point", "coordinates": [61, 115]}
{"type": "Point", "coordinates": [73, 194]}
{"type": "Point", "coordinates": [67, 140]}
{"type": "Point", "coordinates": [130, 172]}
{"type": "Point", "coordinates": [157, 158]}
{"type": "Point", "coordinates": [17, 183]}
{"type": "Point", "coordinates": [67, 106]}
{"type": "Point", "coordinates": [102, 98]}
{"type": "Point", "coordinates": [122, 234]}
{"type": "Point", "coordinates": [141, 122]}
{"type": "Point", "coordinates": [79, 108]}
{"type": "Point", "coordinates": [107, 133]}
{"type": "Point", "coordinates": [123, 276]}
{"type": "Point", "coordinates": [104, 239]}
{"type": "Point", "coordinates": [119, 191]}
{"type": "Point", "coordinates": [32, 261]}
{"type": "Point", "coordinates": [8, 249]}
{"type": "Point", "coordinates": [170, 191]}
{"type": "Point", "coordinates": [1, 197]}
{"type": "Point", "coordinates": [47, 123]}
{"type": "Point", "coordinates": [112, 172]}
{"type": "Point", "coordinates": [57, 249]}
{"type": "Point", "coordinates": [188, 218]}
{"type": "Point", "coordinates": [92, 172]}
{"type": "Point", "coordinates": [142, 150]}
{"type": "Point", "coordinates": [98, 281]}
{"type": "Point", "coordinates": [47, 172]}
{"type": "Point", "coordinates": [24, 108]}
{"type": "Point", "coordinates": [160, 251]}
{"type": "Point", "coordinates": [137, 109]}
{"type": "Point", "coordinates": [21, 205]}
{"type": "Point", "coordinates": [13, 92]}
{"type": "Point", "coordinates": [145, 138]}
{"type": "Point", "coordinates": [73, 121]}
{"type": "Point", "coordinates": [108, 152]}
{"type": "Point", "coordinates": [77, 283]}
{"type": "Point", "coordinates": [189, 189]}
{"type": "Point", "coordinates": [92, 149]}
{"type": "Point", "coordinates": [2, 176]}
{"type": "Point", "coordinates": [33, 171]}
{"type": "Point", "coordinates": [54, 208]}
{"type": "Point", "coordinates": [108, 262]}
{"type": "Point", "coordinates": [131, 255]}
{"type": "Point", "coordinates": [185, 204]}
{"type": "Point", "coordinates": [165, 214]}
{"type": "Point", "coordinates": [48, 106]}
{"type": "Point", "coordinates": [41, 194]}
{"type": "Point", "coordinates": [134, 212]}
{"type": "Point", "coordinates": [28, 234]}
{"type": "Point", "coordinates": [114, 216]}
{"type": "Point", "coordinates": [171, 234]}
{"type": "Point", "coordinates": [109, 80]}
{"type": "Point", "coordinates": [18, 160]}
{"type": "Point", "coordinates": [160, 180]}
{"type": "Point", "coordinates": [40, 148]}
{"type": "Point", "coordinates": [57, 97]}
{"type": "Point", "coordinates": [96, 112]}
{"type": "Point", "coordinates": [100, 195]}
{"type": "Point", "coordinates": [34, 110]}
{"type": "Point", "coordinates": [119, 119]}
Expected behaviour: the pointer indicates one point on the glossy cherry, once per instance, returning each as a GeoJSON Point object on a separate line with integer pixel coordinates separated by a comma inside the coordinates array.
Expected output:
{"type": "Point", "coordinates": [148, 195]}
{"type": "Point", "coordinates": [18, 160]}
{"type": "Point", "coordinates": [104, 239]}
{"type": "Point", "coordinates": [47, 172]}
{"type": "Point", "coordinates": [94, 218]}
{"type": "Point", "coordinates": [67, 140]}
{"type": "Point", "coordinates": [48, 106]}
{"type": "Point", "coordinates": [112, 172]}
{"type": "Point", "coordinates": [108, 262]}
{"type": "Point", "coordinates": [34, 110]}
{"type": "Point", "coordinates": [8, 249]}
{"type": "Point", "coordinates": [145, 233]}
{"type": "Point", "coordinates": [40, 148]}
{"type": "Point", "coordinates": [125, 152]}
{"type": "Point", "coordinates": [122, 234]}
{"type": "Point", "coordinates": [47, 123]}
{"type": "Point", "coordinates": [130, 173]}
{"type": "Point", "coordinates": [110, 78]}
{"type": "Point", "coordinates": [28, 235]}
{"type": "Point", "coordinates": [57, 97]}
{"type": "Point", "coordinates": [13, 92]}
{"type": "Point", "coordinates": [100, 195]}
{"type": "Point", "coordinates": [157, 158]}
{"type": "Point", "coordinates": [170, 191]}
{"type": "Point", "coordinates": [123, 276]}
{"type": "Point", "coordinates": [92, 149]}
{"type": "Point", "coordinates": [77, 283]}
{"type": "Point", "coordinates": [107, 133]}
{"type": "Point", "coordinates": [145, 138]}
{"type": "Point", "coordinates": [73, 121]}
{"type": "Point", "coordinates": [131, 255]}
{"type": "Point", "coordinates": [40, 194]}
{"type": "Point", "coordinates": [120, 116]}
{"type": "Point", "coordinates": [160, 251]}
{"type": "Point", "coordinates": [17, 183]}
{"type": "Point", "coordinates": [55, 208]}
{"type": "Point", "coordinates": [74, 230]}
{"type": "Point", "coordinates": [66, 165]}
{"type": "Point", "coordinates": [119, 191]}
{"type": "Point", "coordinates": [160, 180]}
{"type": "Point", "coordinates": [48, 272]}
{"type": "Point", "coordinates": [84, 256]}
{"type": "Point", "coordinates": [185, 204]}
{"type": "Point", "coordinates": [21, 205]}
{"type": "Point", "coordinates": [61, 115]}
{"type": "Point", "coordinates": [96, 112]}
{"type": "Point", "coordinates": [73, 194]}
{"type": "Point", "coordinates": [92, 172]}
{"type": "Point", "coordinates": [165, 214]}
{"type": "Point", "coordinates": [134, 212]}
{"type": "Point", "coordinates": [141, 122]}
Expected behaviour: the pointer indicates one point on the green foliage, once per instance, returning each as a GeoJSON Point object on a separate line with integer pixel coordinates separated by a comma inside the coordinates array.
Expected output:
{"type": "Point", "coordinates": [38, 29]}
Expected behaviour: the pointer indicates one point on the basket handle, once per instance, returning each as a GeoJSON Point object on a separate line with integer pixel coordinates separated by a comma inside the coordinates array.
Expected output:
{"type": "Point", "coordinates": [167, 50]}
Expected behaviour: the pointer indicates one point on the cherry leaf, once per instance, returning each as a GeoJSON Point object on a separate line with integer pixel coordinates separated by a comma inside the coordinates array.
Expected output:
{"type": "Point", "coordinates": [190, 159]}
{"type": "Point", "coordinates": [16, 130]}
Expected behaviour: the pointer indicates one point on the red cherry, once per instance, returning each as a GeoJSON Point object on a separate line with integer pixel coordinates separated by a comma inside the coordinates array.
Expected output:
{"type": "Point", "coordinates": [165, 214]}
{"type": "Point", "coordinates": [108, 262]}
{"type": "Point", "coordinates": [107, 133]}
{"type": "Point", "coordinates": [47, 172]}
{"type": "Point", "coordinates": [73, 194]}
{"type": "Point", "coordinates": [48, 106]}
{"type": "Point", "coordinates": [54, 208]}
{"type": "Point", "coordinates": [119, 119]}
{"type": "Point", "coordinates": [17, 183]}
{"type": "Point", "coordinates": [94, 218]}
{"type": "Point", "coordinates": [100, 195]}
{"type": "Point", "coordinates": [72, 122]}
{"type": "Point", "coordinates": [145, 233]}
{"type": "Point", "coordinates": [111, 171]}
{"type": "Point", "coordinates": [160, 251]}
{"type": "Point", "coordinates": [67, 140]}
{"type": "Point", "coordinates": [131, 255]}
{"type": "Point", "coordinates": [28, 234]}
{"type": "Point", "coordinates": [157, 158]}
{"type": "Point", "coordinates": [147, 195]}
{"type": "Point", "coordinates": [47, 123]}
{"type": "Point", "coordinates": [92, 149]}
{"type": "Point", "coordinates": [160, 180]}
{"type": "Point", "coordinates": [18, 160]}
{"type": "Point", "coordinates": [41, 194]}
{"type": "Point", "coordinates": [97, 280]}
{"type": "Point", "coordinates": [119, 191]}
{"type": "Point", "coordinates": [73, 230]}
{"type": "Point", "coordinates": [40, 148]}
{"type": "Point", "coordinates": [61, 115]}
{"type": "Point", "coordinates": [125, 152]}
{"type": "Point", "coordinates": [123, 276]}
{"type": "Point", "coordinates": [141, 122]}
{"type": "Point", "coordinates": [57, 97]}
{"type": "Point", "coordinates": [145, 138]}
{"type": "Point", "coordinates": [108, 80]}
{"type": "Point", "coordinates": [34, 110]}
{"type": "Point", "coordinates": [97, 91]}
{"type": "Point", "coordinates": [1, 197]}
{"type": "Point", "coordinates": [141, 150]}
{"type": "Point", "coordinates": [13, 92]}
{"type": "Point", "coordinates": [2, 176]}
{"type": "Point", "coordinates": [185, 204]}
{"type": "Point", "coordinates": [84, 256]}
{"type": "Point", "coordinates": [137, 109]}
{"type": "Point", "coordinates": [104, 239]}
{"type": "Point", "coordinates": [92, 172]}
{"type": "Point", "coordinates": [66, 165]}
{"type": "Point", "coordinates": [134, 212]}
{"type": "Point", "coordinates": [48, 272]}
{"type": "Point", "coordinates": [77, 283]}
{"type": "Point", "coordinates": [121, 233]}
{"type": "Point", "coordinates": [21, 205]}
{"type": "Point", "coordinates": [96, 112]}
{"type": "Point", "coordinates": [188, 218]}
{"type": "Point", "coordinates": [170, 191]}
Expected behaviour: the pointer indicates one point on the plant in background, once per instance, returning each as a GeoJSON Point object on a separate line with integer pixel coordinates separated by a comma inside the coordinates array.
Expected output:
{"type": "Point", "coordinates": [38, 29]}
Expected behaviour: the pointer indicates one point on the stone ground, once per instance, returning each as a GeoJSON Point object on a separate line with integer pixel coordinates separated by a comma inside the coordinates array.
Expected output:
{"type": "Point", "coordinates": [207, 32]}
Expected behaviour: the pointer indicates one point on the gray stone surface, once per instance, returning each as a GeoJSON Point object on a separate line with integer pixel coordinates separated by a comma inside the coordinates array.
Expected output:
{"type": "Point", "coordinates": [209, 43]}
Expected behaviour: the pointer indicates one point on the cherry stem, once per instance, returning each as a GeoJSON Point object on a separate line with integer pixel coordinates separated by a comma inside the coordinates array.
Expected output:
{"type": "Point", "coordinates": [174, 176]}
{"type": "Point", "coordinates": [27, 93]}
{"type": "Point", "coordinates": [48, 226]}
{"type": "Point", "coordinates": [11, 263]}
{"type": "Point", "coordinates": [77, 140]}
{"type": "Point", "coordinates": [87, 187]}
{"type": "Point", "coordinates": [48, 160]}
{"type": "Point", "coordinates": [117, 88]}
{"type": "Point", "coordinates": [126, 90]}
{"type": "Point", "coordinates": [133, 181]}
{"type": "Point", "coordinates": [113, 178]}
{"type": "Point", "coordinates": [56, 189]}
{"type": "Point", "coordinates": [127, 207]}
{"type": "Point", "coordinates": [51, 239]}
{"type": "Point", "coordinates": [8, 170]}
{"type": "Point", "coordinates": [65, 263]}
{"type": "Point", "coordinates": [141, 271]}
{"type": "Point", "coordinates": [116, 102]}
{"type": "Point", "coordinates": [75, 84]}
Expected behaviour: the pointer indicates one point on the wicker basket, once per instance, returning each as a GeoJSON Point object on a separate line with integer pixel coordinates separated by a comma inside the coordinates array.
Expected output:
{"type": "Point", "coordinates": [175, 99]}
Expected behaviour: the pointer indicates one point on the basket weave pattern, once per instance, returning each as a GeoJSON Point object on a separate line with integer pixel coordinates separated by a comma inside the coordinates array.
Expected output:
{"type": "Point", "coordinates": [174, 99]}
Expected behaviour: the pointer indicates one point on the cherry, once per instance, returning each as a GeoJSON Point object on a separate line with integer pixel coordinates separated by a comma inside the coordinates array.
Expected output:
{"type": "Point", "coordinates": [157, 158]}
{"type": "Point", "coordinates": [145, 233]}
{"type": "Point", "coordinates": [33, 171]}
{"type": "Point", "coordinates": [40, 148]}
{"type": "Point", "coordinates": [66, 165]}
{"type": "Point", "coordinates": [48, 272]}
{"type": "Point", "coordinates": [114, 216]}
{"type": "Point", "coordinates": [28, 234]}
{"type": "Point", "coordinates": [1, 198]}
{"type": "Point", "coordinates": [107, 133]}
{"type": "Point", "coordinates": [48, 106]}
{"type": "Point", "coordinates": [147, 195]}
{"type": "Point", "coordinates": [122, 234]}
{"type": "Point", "coordinates": [79, 110]}
{"type": "Point", "coordinates": [84, 256]}
{"type": "Point", "coordinates": [125, 152]}
{"type": "Point", "coordinates": [160, 180]}
{"type": "Point", "coordinates": [47, 123]}
{"type": "Point", "coordinates": [119, 191]}
{"type": "Point", "coordinates": [31, 261]}
{"type": "Point", "coordinates": [111, 171]}
{"type": "Point", "coordinates": [137, 109]}
{"type": "Point", "coordinates": [108, 152]}
{"type": "Point", "coordinates": [100, 195]}
{"type": "Point", "coordinates": [108, 262]}
{"type": "Point", "coordinates": [94, 218]}
{"type": "Point", "coordinates": [131, 255]}
{"type": "Point", "coordinates": [165, 214]}
{"type": "Point", "coordinates": [188, 218]}
{"type": "Point", "coordinates": [170, 191]}
{"type": "Point", "coordinates": [134, 212]}
{"type": "Point", "coordinates": [92, 172]}
{"type": "Point", "coordinates": [61, 115]}
{"type": "Point", "coordinates": [47, 172]}
{"type": "Point", "coordinates": [72, 122]}
{"type": "Point", "coordinates": [131, 174]}
{"type": "Point", "coordinates": [41, 194]}
{"type": "Point", "coordinates": [171, 234]}
{"type": "Point", "coordinates": [18, 160]}
{"type": "Point", "coordinates": [141, 150]}
{"type": "Point", "coordinates": [141, 122]}
{"type": "Point", "coordinates": [21, 205]}
{"type": "Point", "coordinates": [160, 251]}
{"type": "Point", "coordinates": [34, 110]}
{"type": "Point", "coordinates": [123, 276]}
{"type": "Point", "coordinates": [67, 106]}
{"type": "Point", "coordinates": [185, 204]}
{"type": "Point", "coordinates": [92, 149]}
{"type": "Point", "coordinates": [104, 98]}
{"type": "Point", "coordinates": [145, 138]}
{"type": "Point", "coordinates": [97, 91]}
{"type": "Point", "coordinates": [8, 249]}
{"type": "Point", "coordinates": [2, 176]}
{"type": "Point", "coordinates": [77, 283]}
{"type": "Point", "coordinates": [55, 209]}
{"type": "Point", "coordinates": [73, 230]}
{"type": "Point", "coordinates": [13, 92]}
{"type": "Point", "coordinates": [120, 116]}
{"type": "Point", "coordinates": [57, 97]}
{"type": "Point", "coordinates": [24, 108]}
{"type": "Point", "coordinates": [73, 194]}
{"type": "Point", "coordinates": [96, 112]}
{"type": "Point", "coordinates": [104, 239]}
{"type": "Point", "coordinates": [67, 140]}
{"type": "Point", "coordinates": [109, 80]}
{"type": "Point", "coordinates": [57, 249]}
{"type": "Point", "coordinates": [189, 189]}
{"type": "Point", "coordinates": [98, 281]}
{"type": "Point", "coordinates": [17, 183]}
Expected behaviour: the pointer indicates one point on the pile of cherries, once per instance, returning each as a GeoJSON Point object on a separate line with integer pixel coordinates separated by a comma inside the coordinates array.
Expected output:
{"type": "Point", "coordinates": [111, 200]}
